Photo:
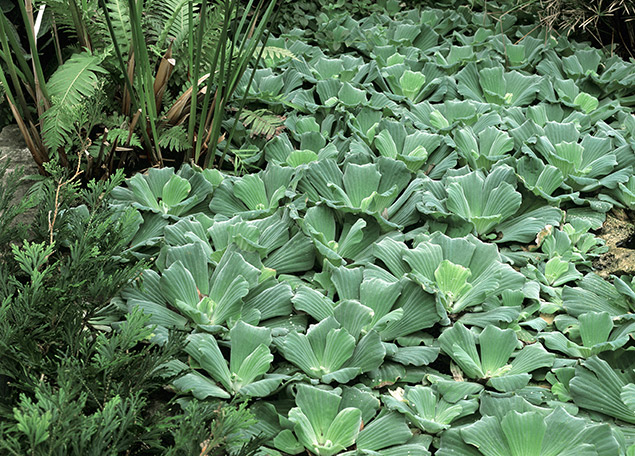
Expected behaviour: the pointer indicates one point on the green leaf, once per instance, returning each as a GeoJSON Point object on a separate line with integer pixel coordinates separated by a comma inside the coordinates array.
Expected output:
{"type": "Point", "coordinates": [177, 283]}
{"type": "Point", "coordinates": [319, 424]}
{"type": "Point", "coordinates": [596, 386]}
{"type": "Point", "coordinates": [344, 429]}
{"type": "Point", "coordinates": [497, 345]}
{"type": "Point", "coordinates": [194, 259]}
{"type": "Point", "coordinates": [411, 84]}
{"type": "Point", "coordinates": [286, 441]}
{"type": "Point", "coordinates": [175, 190]}
{"type": "Point", "coordinates": [75, 79]}
{"type": "Point", "coordinates": [301, 157]}
{"type": "Point", "coordinates": [524, 433]}
{"type": "Point", "coordinates": [322, 351]}
{"type": "Point", "coordinates": [595, 328]}
{"type": "Point", "coordinates": [386, 430]}
{"type": "Point", "coordinates": [424, 408]}
{"type": "Point", "coordinates": [313, 303]}
{"type": "Point", "coordinates": [251, 190]}
{"type": "Point", "coordinates": [487, 273]}
{"type": "Point", "coordinates": [438, 120]}
{"type": "Point", "coordinates": [142, 192]}
{"type": "Point", "coordinates": [554, 268]}
{"type": "Point", "coordinates": [586, 102]}
{"type": "Point", "coordinates": [338, 348]}
{"type": "Point", "coordinates": [361, 182]}
{"type": "Point", "coordinates": [200, 386]}
{"type": "Point", "coordinates": [204, 349]}
{"type": "Point", "coordinates": [529, 433]}
{"type": "Point", "coordinates": [484, 201]}
{"type": "Point", "coordinates": [385, 144]}
{"type": "Point", "coordinates": [459, 343]}
{"type": "Point", "coordinates": [351, 96]}
{"type": "Point", "coordinates": [245, 340]}
{"type": "Point", "coordinates": [452, 279]}
{"type": "Point", "coordinates": [487, 436]}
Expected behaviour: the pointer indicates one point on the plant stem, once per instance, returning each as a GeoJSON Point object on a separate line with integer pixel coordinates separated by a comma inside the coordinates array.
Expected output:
{"type": "Point", "coordinates": [195, 70]}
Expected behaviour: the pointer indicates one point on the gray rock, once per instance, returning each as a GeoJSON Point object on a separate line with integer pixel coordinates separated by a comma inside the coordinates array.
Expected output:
{"type": "Point", "coordinates": [13, 148]}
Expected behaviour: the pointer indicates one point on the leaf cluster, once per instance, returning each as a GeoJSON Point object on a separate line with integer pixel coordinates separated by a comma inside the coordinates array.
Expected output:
{"type": "Point", "coordinates": [408, 270]}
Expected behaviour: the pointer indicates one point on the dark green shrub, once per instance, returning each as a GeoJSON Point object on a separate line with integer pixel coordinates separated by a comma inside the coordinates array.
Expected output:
{"type": "Point", "coordinates": [73, 379]}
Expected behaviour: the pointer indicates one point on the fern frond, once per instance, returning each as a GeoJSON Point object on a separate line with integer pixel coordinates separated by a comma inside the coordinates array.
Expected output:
{"type": "Point", "coordinates": [179, 31]}
{"type": "Point", "coordinates": [120, 135]}
{"type": "Point", "coordinates": [62, 14]}
{"type": "Point", "coordinates": [213, 28]}
{"type": "Point", "coordinates": [262, 122]}
{"type": "Point", "coordinates": [92, 17]}
{"type": "Point", "coordinates": [120, 17]}
{"type": "Point", "coordinates": [76, 78]}
{"type": "Point", "coordinates": [275, 53]}
{"type": "Point", "coordinates": [58, 124]}
{"type": "Point", "coordinates": [174, 138]}
{"type": "Point", "coordinates": [170, 19]}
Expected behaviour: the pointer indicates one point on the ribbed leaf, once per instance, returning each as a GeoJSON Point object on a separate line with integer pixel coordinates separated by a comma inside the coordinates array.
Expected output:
{"type": "Point", "coordinates": [142, 192]}
{"type": "Point", "coordinates": [75, 79]}
{"type": "Point", "coordinates": [194, 258]}
{"type": "Point", "coordinates": [386, 430]}
{"type": "Point", "coordinates": [411, 84]}
{"type": "Point", "coordinates": [204, 349]}
{"type": "Point", "coordinates": [360, 182]}
{"type": "Point", "coordinates": [586, 102]}
{"type": "Point", "coordinates": [200, 386]}
{"type": "Point", "coordinates": [487, 435]}
{"type": "Point", "coordinates": [496, 348]}
{"type": "Point", "coordinates": [245, 339]}
{"type": "Point", "coordinates": [524, 433]}
{"type": "Point", "coordinates": [175, 190]}
{"type": "Point", "coordinates": [177, 283]}
{"type": "Point", "coordinates": [298, 351]}
{"type": "Point", "coordinates": [596, 386]}
{"type": "Point", "coordinates": [459, 343]}
{"type": "Point", "coordinates": [319, 406]}
{"type": "Point", "coordinates": [595, 328]}
{"type": "Point", "coordinates": [344, 429]}
{"type": "Point", "coordinates": [313, 303]}
{"type": "Point", "coordinates": [339, 347]}
{"type": "Point", "coordinates": [251, 190]}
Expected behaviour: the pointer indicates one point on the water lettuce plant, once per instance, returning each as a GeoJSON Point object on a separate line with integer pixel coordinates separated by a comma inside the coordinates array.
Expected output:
{"type": "Point", "coordinates": [409, 266]}
{"type": "Point", "coordinates": [320, 424]}
{"type": "Point", "coordinates": [492, 362]}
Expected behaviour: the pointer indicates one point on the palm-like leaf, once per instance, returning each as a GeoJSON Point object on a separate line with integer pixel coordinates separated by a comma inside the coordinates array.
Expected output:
{"type": "Point", "coordinates": [73, 82]}
{"type": "Point", "coordinates": [120, 18]}
{"type": "Point", "coordinates": [76, 78]}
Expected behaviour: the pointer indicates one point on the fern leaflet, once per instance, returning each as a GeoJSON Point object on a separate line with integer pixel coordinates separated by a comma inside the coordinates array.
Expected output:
{"type": "Point", "coordinates": [58, 124]}
{"type": "Point", "coordinates": [275, 53]}
{"type": "Point", "coordinates": [263, 122]}
{"type": "Point", "coordinates": [174, 138]}
{"type": "Point", "coordinates": [121, 136]}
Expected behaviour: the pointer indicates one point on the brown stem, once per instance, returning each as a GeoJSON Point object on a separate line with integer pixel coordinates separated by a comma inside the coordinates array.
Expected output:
{"type": "Point", "coordinates": [57, 195]}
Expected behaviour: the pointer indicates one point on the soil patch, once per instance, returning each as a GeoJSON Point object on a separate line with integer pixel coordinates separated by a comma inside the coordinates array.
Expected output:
{"type": "Point", "coordinates": [618, 232]}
